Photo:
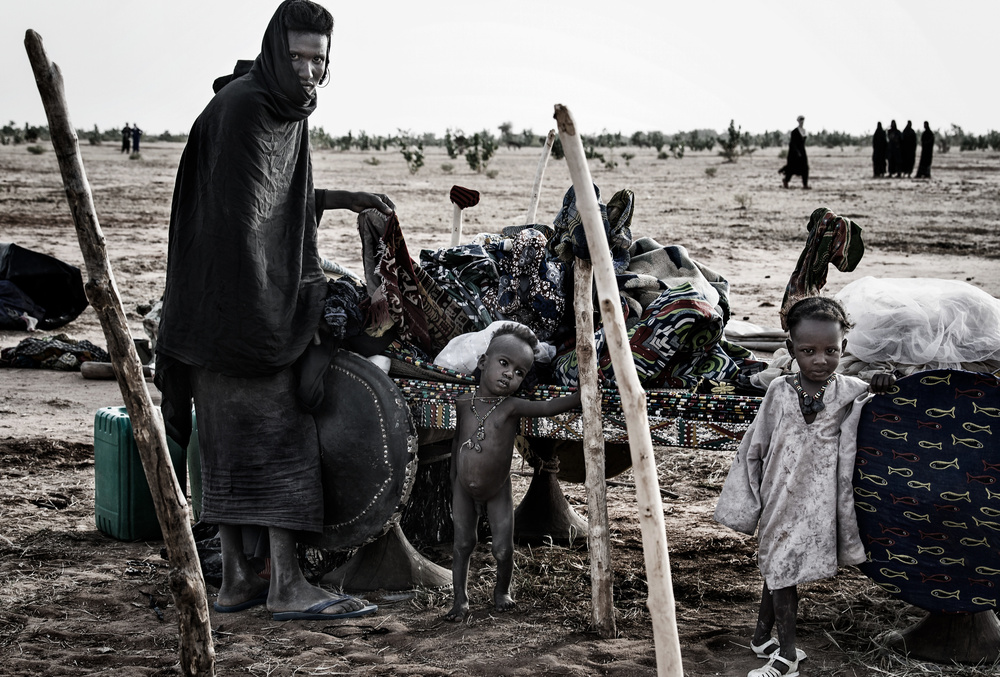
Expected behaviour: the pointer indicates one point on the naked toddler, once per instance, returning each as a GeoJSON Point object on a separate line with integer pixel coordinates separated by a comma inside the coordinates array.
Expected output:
{"type": "Point", "coordinates": [481, 457]}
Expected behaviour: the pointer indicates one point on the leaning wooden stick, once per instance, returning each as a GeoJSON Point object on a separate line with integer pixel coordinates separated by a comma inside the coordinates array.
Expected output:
{"type": "Point", "coordinates": [536, 189]}
{"type": "Point", "coordinates": [197, 654]}
{"type": "Point", "coordinates": [599, 535]}
{"type": "Point", "coordinates": [633, 398]}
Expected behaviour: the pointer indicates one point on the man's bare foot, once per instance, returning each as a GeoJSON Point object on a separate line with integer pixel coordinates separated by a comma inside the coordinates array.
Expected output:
{"type": "Point", "coordinates": [458, 613]}
{"type": "Point", "coordinates": [503, 602]}
{"type": "Point", "coordinates": [242, 594]}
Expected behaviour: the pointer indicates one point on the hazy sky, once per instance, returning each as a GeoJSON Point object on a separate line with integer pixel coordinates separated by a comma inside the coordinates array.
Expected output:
{"type": "Point", "coordinates": [623, 65]}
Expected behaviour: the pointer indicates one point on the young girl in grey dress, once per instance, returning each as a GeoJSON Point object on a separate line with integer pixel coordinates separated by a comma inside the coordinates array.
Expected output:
{"type": "Point", "coordinates": [791, 478]}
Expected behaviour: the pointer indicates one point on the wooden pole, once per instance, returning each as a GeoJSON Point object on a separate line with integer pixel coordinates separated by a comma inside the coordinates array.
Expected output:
{"type": "Point", "coordinates": [536, 189]}
{"type": "Point", "coordinates": [197, 654]}
{"type": "Point", "coordinates": [456, 226]}
{"type": "Point", "coordinates": [633, 398]}
{"type": "Point", "coordinates": [598, 533]}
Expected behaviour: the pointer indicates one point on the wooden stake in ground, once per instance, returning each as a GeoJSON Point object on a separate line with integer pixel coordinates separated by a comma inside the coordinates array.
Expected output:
{"type": "Point", "coordinates": [197, 654]}
{"type": "Point", "coordinates": [462, 198]}
{"type": "Point", "coordinates": [536, 189]}
{"type": "Point", "coordinates": [633, 398]}
{"type": "Point", "coordinates": [598, 533]}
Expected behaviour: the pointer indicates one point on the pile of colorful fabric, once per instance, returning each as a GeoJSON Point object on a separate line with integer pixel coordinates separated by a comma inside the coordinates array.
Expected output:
{"type": "Point", "coordinates": [675, 308]}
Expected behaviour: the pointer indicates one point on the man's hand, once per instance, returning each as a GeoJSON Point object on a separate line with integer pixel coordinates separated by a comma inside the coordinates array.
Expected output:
{"type": "Point", "coordinates": [882, 382]}
{"type": "Point", "coordinates": [358, 202]}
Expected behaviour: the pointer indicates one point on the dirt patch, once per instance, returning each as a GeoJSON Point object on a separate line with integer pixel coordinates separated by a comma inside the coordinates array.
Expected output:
{"type": "Point", "coordinates": [73, 601]}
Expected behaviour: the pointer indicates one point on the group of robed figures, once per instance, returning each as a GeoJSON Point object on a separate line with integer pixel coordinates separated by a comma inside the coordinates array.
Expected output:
{"type": "Point", "coordinates": [895, 152]}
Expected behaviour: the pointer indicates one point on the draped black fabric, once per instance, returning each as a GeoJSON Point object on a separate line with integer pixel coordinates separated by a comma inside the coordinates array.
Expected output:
{"type": "Point", "coordinates": [798, 163]}
{"type": "Point", "coordinates": [895, 139]}
{"type": "Point", "coordinates": [879, 143]}
{"type": "Point", "coordinates": [244, 290]}
{"type": "Point", "coordinates": [926, 154]}
{"type": "Point", "coordinates": [908, 149]}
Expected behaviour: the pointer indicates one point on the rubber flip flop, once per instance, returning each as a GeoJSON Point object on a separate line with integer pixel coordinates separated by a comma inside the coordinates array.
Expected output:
{"type": "Point", "coordinates": [249, 604]}
{"type": "Point", "coordinates": [315, 612]}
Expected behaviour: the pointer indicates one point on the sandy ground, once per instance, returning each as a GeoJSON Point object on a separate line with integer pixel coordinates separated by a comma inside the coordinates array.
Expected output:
{"type": "Point", "coordinates": [73, 601]}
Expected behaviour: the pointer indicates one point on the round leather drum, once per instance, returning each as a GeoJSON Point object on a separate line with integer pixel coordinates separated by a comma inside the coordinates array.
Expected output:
{"type": "Point", "coordinates": [369, 452]}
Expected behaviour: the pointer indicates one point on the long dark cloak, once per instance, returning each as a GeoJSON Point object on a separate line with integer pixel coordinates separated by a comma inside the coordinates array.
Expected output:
{"type": "Point", "coordinates": [245, 289]}
{"type": "Point", "coordinates": [926, 154]}
{"type": "Point", "coordinates": [879, 143]}
{"type": "Point", "coordinates": [797, 163]}
{"type": "Point", "coordinates": [909, 149]}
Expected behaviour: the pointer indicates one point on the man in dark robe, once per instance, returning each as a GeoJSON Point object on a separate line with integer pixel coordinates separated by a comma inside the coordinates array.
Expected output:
{"type": "Point", "coordinates": [797, 164]}
{"type": "Point", "coordinates": [926, 152]}
{"type": "Point", "coordinates": [136, 135]}
{"type": "Point", "coordinates": [126, 138]}
{"type": "Point", "coordinates": [878, 151]}
{"type": "Point", "coordinates": [895, 142]}
{"type": "Point", "coordinates": [243, 300]}
{"type": "Point", "coordinates": [908, 149]}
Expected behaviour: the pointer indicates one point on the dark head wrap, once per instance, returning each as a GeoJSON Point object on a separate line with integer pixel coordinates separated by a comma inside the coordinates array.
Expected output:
{"type": "Point", "coordinates": [244, 291]}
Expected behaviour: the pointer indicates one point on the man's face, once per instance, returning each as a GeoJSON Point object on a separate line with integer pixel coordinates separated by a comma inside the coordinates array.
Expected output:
{"type": "Point", "coordinates": [307, 52]}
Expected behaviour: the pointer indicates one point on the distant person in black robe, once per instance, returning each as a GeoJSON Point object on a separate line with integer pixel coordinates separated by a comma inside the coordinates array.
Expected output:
{"type": "Point", "coordinates": [126, 138]}
{"type": "Point", "coordinates": [895, 139]}
{"type": "Point", "coordinates": [797, 164]}
{"type": "Point", "coordinates": [908, 149]}
{"type": "Point", "coordinates": [244, 297]}
{"type": "Point", "coordinates": [878, 151]}
{"type": "Point", "coordinates": [926, 152]}
{"type": "Point", "coordinates": [136, 135]}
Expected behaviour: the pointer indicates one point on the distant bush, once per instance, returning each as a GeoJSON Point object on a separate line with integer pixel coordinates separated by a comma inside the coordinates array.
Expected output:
{"type": "Point", "coordinates": [743, 200]}
{"type": "Point", "coordinates": [710, 172]}
{"type": "Point", "coordinates": [557, 149]}
{"type": "Point", "coordinates": [730, 143]}
{"type": "Point", "coordinates": [447, 167]}
{"type": "Point", "coordinates": [135, 156]}
{"type": "Point", "coordinates": [373, 161]}
{"type": "Point", "coordinates": [663, 155]}
{"type": "Point", "coordinates": [35, 150]}
{"type": "Point", "coordinates": [94, 137]}
{"type": "Point", "coordinates": [480, 151]}
{"type": "Point", "coordinates": [492, 173]}
{"type": "Point", "coordinates": [628, 158]}
{"type": "Point", "coordinates": [414, 156]}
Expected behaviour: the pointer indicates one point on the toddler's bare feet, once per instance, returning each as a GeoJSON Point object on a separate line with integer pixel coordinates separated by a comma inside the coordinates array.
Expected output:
{"type": "Point", "coordinates": [504, 602]}
{"type": "Point", "coordinates": [458, 613]}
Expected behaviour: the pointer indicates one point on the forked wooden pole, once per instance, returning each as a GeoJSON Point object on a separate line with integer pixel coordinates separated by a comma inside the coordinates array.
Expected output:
{"type": "Point", "coordinates": [599, 535]}
{"type": "Point", "coordinates": [536, 189]}
{"type": "Point", "coordinates": [633, 398]}
{"type": "Point", "coordinates": [197, 654]}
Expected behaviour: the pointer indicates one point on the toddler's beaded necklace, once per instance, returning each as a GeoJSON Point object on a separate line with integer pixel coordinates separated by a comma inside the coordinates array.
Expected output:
{"type": "Point", "coordinates": [810, 404]}
{"type": "Point", "coordinates": [474, 442]}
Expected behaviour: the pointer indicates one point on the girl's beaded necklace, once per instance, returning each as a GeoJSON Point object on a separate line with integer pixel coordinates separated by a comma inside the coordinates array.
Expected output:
{"type": "Point", "coordinates": [474, 442]}
{"type": "Point", "coordinates": [810, 404]}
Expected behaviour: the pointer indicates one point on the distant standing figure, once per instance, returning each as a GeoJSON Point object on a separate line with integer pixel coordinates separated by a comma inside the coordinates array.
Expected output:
{"type": "Point", "coordinates": [909, 149]}
{"type": "Point", "coordinates": [136, 133]}
{"type": "Point", "coordinates": [878, 151]}
{"type": "Point", "coordinates": [126, 138]}
{"type": "Point", "coordinates": [926, 152]}
{"type": "Point", "coordinates": [895, 139]}
{"type": "Point", "coordinates": [797, 162]}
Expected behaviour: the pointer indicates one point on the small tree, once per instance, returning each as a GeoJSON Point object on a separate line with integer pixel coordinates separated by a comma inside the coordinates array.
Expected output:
{"type": "Point", "coordinates": [730, 143]}
{"type": "Point", "coordinates": [414, 156]}
{"type": "Point", "coordinates": [557, 150]}
{"type": "Point", "coordinates": [482, 150]}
